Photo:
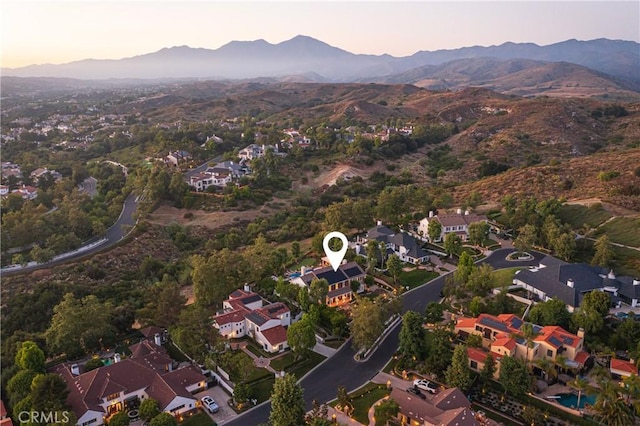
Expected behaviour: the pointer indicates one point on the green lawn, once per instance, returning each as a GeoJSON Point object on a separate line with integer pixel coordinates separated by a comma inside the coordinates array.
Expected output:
{"type": "Point", "coordinates": [504, 277]}
{"type": "Point", "coordinates": [261, 390]}
{"type": "Point", "coordinates": [200, 419]}
{"type": "Point", "coordinates": [282, 362]}
{"type": "Point", "coordinates": [364, 399]}
{"type": "Point", "coordinates": [307, 261]}
{"type": "Point", "coordinates": [303, 366]}
{"type": "Point", "coordinates": [577, 215]}
{"type": "Point", "coordinates": [622, 230]}
{"type": "Point", "coordinates": [626, 261]}
{"type": "Point", "coordinates": [416, 277]}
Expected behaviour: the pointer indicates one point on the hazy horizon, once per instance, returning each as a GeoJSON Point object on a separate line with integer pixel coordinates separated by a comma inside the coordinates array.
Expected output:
{"type": "Point", "coordinates": [56, 31]}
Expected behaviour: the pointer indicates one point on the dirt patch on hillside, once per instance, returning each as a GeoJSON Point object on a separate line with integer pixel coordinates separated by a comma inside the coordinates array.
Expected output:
{"type": "Point", "coordinates": [164, 215]}
{"type": "Point", "coordinates": [343, 171]}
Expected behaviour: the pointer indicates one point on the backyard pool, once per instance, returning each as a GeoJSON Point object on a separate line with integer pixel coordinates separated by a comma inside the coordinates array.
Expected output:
{"type": "Point", "coordinates": [570, 400]}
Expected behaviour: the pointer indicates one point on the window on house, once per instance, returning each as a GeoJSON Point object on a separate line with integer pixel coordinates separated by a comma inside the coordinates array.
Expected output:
{"type": "Point", "coordinates": [474, 365]}
{"type": "Point", "coordinates": [89, 422]}
{"type": "Point", "coordinates": [113, 396]}
{"type": "Point", "coordinates": [478, 328]}
{"type": "Point", "coordinates": [549, 353]}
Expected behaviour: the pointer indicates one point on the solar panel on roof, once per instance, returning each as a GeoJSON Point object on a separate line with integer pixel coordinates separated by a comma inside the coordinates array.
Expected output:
{"type": "Point", "coordinates": [567, 340]}
{"type": "Point", "coordinates": [554, 340]}
{"type": "Point", "coordinates": [490, 322]}
{"type": "Point", "coordinates": [516, 322]}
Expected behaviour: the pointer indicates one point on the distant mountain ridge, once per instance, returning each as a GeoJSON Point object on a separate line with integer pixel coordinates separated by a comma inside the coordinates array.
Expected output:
{"type": "Point", "coordinates": [307, 56]}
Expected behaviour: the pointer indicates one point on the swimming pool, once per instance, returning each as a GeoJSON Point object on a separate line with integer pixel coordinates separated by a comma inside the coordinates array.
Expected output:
{"type": "Point", "coordinates": [294, 275]}
{"type": "Point", "coordinates": [570, 400]}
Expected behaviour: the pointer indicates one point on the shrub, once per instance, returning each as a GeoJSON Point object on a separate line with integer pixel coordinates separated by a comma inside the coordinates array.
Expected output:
{"type": "Point", "coordinates": [607, 176]}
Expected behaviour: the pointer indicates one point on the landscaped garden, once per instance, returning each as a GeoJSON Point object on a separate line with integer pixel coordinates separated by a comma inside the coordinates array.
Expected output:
{"type": "Point", "coordinates": [363, 399]}
{"type": "Point", "coordinates": [199, 419]}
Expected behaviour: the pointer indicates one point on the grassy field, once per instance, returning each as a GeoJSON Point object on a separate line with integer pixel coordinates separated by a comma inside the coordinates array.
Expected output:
{"type": "Point", "coordinates": [364, 399]}
{"type": "Point", "coordinates": [200, 419]}
{"type": "Point", "coordinates": [622, 230]}
{"type": "Point", "coordinates": [504, 277]}
{"type": "Point", "coordinates": [577, 215]}
{"type": "Point", "coordinates": [416, 277]}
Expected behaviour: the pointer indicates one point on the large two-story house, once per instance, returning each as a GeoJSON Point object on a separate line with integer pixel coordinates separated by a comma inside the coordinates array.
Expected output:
{"type": "Point", "coordinates": [569, 282]}
{"type": "Point", "coordinates": [399, 243]}
{"type": "Point", "coordinates": [457, 223]}
{"type": "Point", "coordinates": [502, 335]}
{"type": "Point", "coordinates": [253, 151]}
{"type": "Point", "coordinates": [221, 175]}
{"type": "Point", "coordinates": [449, 407]}
{"type": "Point", "coordinates": [340, 291]}
{"type": "Point", "coordinates": [244, 315]}
{"type": "Point", "coordinates": [148, 373]}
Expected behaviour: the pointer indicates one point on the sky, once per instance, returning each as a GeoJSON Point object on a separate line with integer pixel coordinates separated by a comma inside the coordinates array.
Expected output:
{"type": "Point", "coordinates": [59, 31]}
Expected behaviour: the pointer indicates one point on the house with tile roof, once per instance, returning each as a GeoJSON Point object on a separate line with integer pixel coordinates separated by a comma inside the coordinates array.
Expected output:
{"type": "Point", "coordinates": [5, 420]}
{"type": "Point", "coordinates": [221, 175]}
{"type": "Point", "coordinates": [457, 223]}
{"type": "Point", "coordinates": [339, 292]}
{"type": "Point", "coordinates": [502, 335]}
{"type": "Point", "coordinates": [401, 244]}
{"type": "Point", "coordinates": [449, 407]}
{"type": "Point", "coordinates": [569, 282]}
{"type": "Point", "coordinates": [148, 373]}
{"type": "Point", "coordinates": [621, 368]}
{"type": "Point", "coordinates": [244, 315]}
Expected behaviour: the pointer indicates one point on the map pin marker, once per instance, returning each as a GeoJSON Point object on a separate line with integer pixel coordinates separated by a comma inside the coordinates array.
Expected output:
{"type": "Point", "coordinates": [335, 257]}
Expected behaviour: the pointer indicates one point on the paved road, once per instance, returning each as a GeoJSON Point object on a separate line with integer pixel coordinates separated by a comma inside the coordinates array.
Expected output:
{"type": "Point", "coordinates": [114, 234]}
{"type": "Point", "coordinates": [341, 369]}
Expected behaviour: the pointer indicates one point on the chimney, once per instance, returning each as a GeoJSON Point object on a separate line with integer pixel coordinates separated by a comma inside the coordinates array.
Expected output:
{"type": "Point", "coordinates": [379, 222]}
{"type": "Point", "coordinates": [636, 281]}
{"type": "Point", "coordinates": [580, 333]}
{"type": "Point", "coordinates": [303, 270]}
{"type": "Point", "coordinates": [247, 287]}
{"type": "Point", "coordinates": [459, 211]}
{"type": "Point", "coordinates": [466, 212]}
{"type": "Point", "coordinates": [611, 275]}
{"type": "Point", "coordinates": [157, 339]}
{"type": "Point", "coordinates": [430, 213]}
{"type": "Point", "coordinates": [75, 370]}
{"type": "Point", "coordinates": [116, 358]}
{"type": "Point", "coordinates": [570, 282]}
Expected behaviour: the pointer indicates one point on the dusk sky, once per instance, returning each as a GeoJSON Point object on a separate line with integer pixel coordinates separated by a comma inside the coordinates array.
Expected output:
{"type": "Point", "coordinates": [56, 31]}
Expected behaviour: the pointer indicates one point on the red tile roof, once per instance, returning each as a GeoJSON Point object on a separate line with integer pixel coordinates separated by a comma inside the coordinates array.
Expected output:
{"type": "Point", "coordinates": [624, 366]}
{"type": "Point", "coordinates": [504, 340]}
{"type": "Point", "coordinates": [230, 317]}
{"type": "Point", "coordinates": [466, 322]}
{"type": "Point", "coordinates": [581, 357]}
{"type": "Point", "coordinates": [275, 335]}
{"type": "Point", "coordinates": [476, 354]}
{"type": "Point", "coordinates": [557, 336]}
{"type": "Point", "coordinates": [3, 410]}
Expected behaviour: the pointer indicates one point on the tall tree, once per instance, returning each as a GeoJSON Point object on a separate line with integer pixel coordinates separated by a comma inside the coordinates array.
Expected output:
{"type": "Point", "coordinates": [287, 402]}
{"type": "Point", "coordinates": [527, 236]}
{"type": "Point", "coordinates": [464, 269]}
{"type": "Point", "coordinates": [489, 368]}
{"type": "Point", "coordinates": [435, 230]}
{"type": "Point", "coordinates": [529, 334]}
{"type": "Point", "coordinates": [394, 266]}
{"type": "Point", "coordinates": [452, 244]}
{"type": "Point", "coordinates": [609, 407]}
{"type": "Point", "coordinates": [478, 232]}
{"type": "Point", "coordinates": [550, 312]}
{"type": "Point", "coordinates": [30, 357]}
{"type": "Point", "coordinates": [581, 385]}
{"type": "Point", "coordinates": [434, 313]}
{"type": "Point", "coordinates": [604, 253]}
{"type": "Point", "coordinates": [149, 409]}
{"type": "Point", "coordinates": [19, 386]}
{"type": "Point", "coordinates": [373, 254]}
{"type": "Point", "coordinates": [459, 374]}
{"type": "Point", "coordinates": [412, 335]}
{"type": "Point", "coordinates": [594, 307]}
{"type": "Point", "coordinates": [217, 276]}
{"type": "Point", "coordinates": [565, 245]}
{"type": "Point", "coordinates": [318, 290]}
{"type": "Point", "coordinates": [48, 393]}
{"type": "Point", "coordinates": [367, 319]}
{"type": "Point", "coordinates": [514, 376]}
{"type": "Point", "coordinates": [194, 332]}
{"type": "Point", "coordinates": [301, 336]}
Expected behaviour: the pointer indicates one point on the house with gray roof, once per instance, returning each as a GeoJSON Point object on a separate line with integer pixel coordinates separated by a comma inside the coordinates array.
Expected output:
{"type": "Point", "coordinates": [569, 282]}
{"type": "Point", "coordinates": [399, 243]}
{"type": "Point", "coordinates": [340, 291]}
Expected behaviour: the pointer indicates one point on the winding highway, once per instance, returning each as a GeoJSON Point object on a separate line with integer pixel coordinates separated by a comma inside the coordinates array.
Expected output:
{"type": "Point", "coordinates": [322, 383]}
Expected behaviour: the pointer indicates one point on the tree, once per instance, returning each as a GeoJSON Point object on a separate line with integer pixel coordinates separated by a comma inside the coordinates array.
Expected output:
{"type": "Point", "coordinates": [48, 392]}
{"type": "Point", "coordinates": [478, 232]}
{"type": "Point", "coordinates": [367, 322]}
{"type": "Point", "coordinates": [318, 290]}
{"type": "Point", "coordinates": [318, 416]}
{"type": "Point", "coordinates": [149, 409]}
{"type": "Point", "coordinates": [464, 269]}
{"type": "Point", "coordinates": [434, 313]}
{"type": "Point", "coordinates": [533, 416]}
{"type": "Point", "coordinates": [452, 244]}
{"type": "Point", "coordinates": [121, 418]}
{"type": "Point", "coordinates": [260, 259]}
{"type": "Point", "coordinates": [565, 245]}
{"type": "Point", "coordinates": [412, 335]}
{"type": "Point", "coordinates": [287, 402]}
{"type": "Point", "coordinates": [480, 280]}
{"type": "Point", "coordinates": [514, 376]}
{"type": "Point", "coordinates": [610, 409]}
{"type": "Point", "coordinates": [295, 250]}
{"type": "Point", "coordinates": [580, 385]}
{"type": "Point", "coordinates": [163, 419]}
{"type": "Point", "coordinates": [80, 325]}
{"type": "Point", "coordinates": [242, 392]}
{"type": "Point", "coordinates": [30, 357]}
{"type": "Point", "coordinates": [19, 386]}
{"type": "Point", "coordinates": [92, 364]}
{"type": "Point", "coordinates": [343, 398]}
{"type": "Point", "coordinates": [550, 312]}
{"type": "Point", "coordinates": [385, 411]}
{"type": "Point", "coordinates": [373, 254]}
{"type": "Point", "coordinates": [439, 352]}
{"type": "Point", "coordinates": [489, 368]}
{"type": "Point", "coordinates": [459, 374]}
{"type": "Point", "coordinates": [477, 306]}
{"type": "Point", "coordinates": [301, 336]}
{"type": "Point", "coordinates": [594, 307]}
{"type": "Point", "coordinates": [394, 266]}
{"type": "Point", "coordinates": [603, 254]}
{"type": "Point", "coordinates": [526, 238]}
{"type": "Point", "coordinates": [529, 334]}
{"type": "Point", "coordinates": [217, 276]}
{"type": "Point", "coordinates": [41, 255]}
{"type": "Point", "coordinates": [164, 302]}
{"type": "Point", "coordinates": [435, 230]}
{"type": "Point", "coordinates": [194, 332]}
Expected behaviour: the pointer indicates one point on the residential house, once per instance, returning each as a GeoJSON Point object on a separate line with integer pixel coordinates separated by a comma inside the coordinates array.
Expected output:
{"type": "Point", "coordinates": [5, 420]}
{"type": "Point", "coordinates": [340, 292]}
{"type": "Point", "coordinates": [28, 192]}
{"type": "Point", "coordinates": [621, 368]}
{"type": "Point", "coordinates": [449, 407]}
{"type": "Point", "coordinates": [399, 243]}
{"type": "Point", "coordinates": [148, 373]}
{"type": "Point", "coordinates": [502, 335]}
{"type": "Point", "coordinates": [4, 190]}
{"type": "Point", "coordinates": [457, 223]}
{"type": "Point", "coordinates": [175, 158]}
{"type": "Point", "coordinates": [256, 151]}
{"type": "Point", "coordinates": [569, 282]}
{"type": "Point", "coordinates": [40, 172]}
{"type": "Point", "coordinates": [244, 315]}
{"type": "Point", "coordinates": [222, 174]}
{"type": "Point", "coordinates": [11, 169]}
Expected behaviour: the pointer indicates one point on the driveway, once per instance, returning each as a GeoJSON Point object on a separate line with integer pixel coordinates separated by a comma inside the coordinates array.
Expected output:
{"type": "Point", "coordinates": [226, 413]}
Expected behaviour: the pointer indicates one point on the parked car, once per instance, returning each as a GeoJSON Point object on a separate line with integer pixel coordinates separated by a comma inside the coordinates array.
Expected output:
{"type": "Point", "coordinates": [425, 385]}
{"type": "Point", "coordinates": [210, 404]}
{"type": "Point", "coordinates": [415, 391]}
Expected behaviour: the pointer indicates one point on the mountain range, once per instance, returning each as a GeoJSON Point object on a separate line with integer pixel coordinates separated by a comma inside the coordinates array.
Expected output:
{"type": "Point", "coordinates": [306, 59]}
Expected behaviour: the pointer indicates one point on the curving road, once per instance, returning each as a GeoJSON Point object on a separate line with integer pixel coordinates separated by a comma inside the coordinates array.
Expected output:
{"type": "Point", "coordinates": [322, 383]}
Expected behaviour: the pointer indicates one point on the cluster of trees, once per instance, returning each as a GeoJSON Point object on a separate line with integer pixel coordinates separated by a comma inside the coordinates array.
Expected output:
{"type": "Point", "coordinates": [288, 406]}
{"type": "Point", "coordinates": [368, 317]}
